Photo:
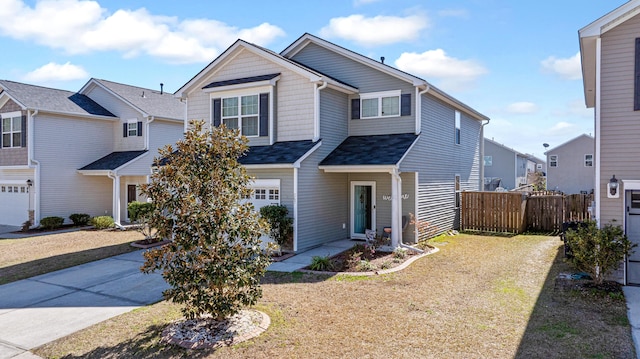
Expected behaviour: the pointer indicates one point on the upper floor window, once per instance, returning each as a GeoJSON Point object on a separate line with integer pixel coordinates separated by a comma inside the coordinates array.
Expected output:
{"type": "Point", "coordinates": [12, 130]}
{"type": "Point", "coordinates": [588, 160]}
{"type": "Point", "coordinates": [380, 104]}
{"type": "Point", "coordinates": [553, 160]}
{"type": "Point", "coordinates": [539, 166]}
{"type": "Point", "coordinates": [488, 161]}
{"type": "Point", "coordinates": [241, 113]}
{"type": "Point", "coordinates": [457, 130]}
{"type": "Point", "coordinates": [132, 128]}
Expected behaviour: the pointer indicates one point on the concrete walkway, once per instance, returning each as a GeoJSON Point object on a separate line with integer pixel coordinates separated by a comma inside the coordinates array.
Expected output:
{"type": "Point", "coordinates": [41, 309]}
{"type": "Point", "coordinates": [632, 296]}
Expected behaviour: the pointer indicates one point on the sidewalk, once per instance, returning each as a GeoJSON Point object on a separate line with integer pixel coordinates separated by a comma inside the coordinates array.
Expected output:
{"type": "Point", "coordinates": [41, 309]}
{"type": "Point", "coordinates": [632, 295]}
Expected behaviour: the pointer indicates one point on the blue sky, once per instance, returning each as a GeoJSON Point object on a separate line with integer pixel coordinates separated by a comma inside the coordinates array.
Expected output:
{"type": "Point", "coordinates": [514, 61]}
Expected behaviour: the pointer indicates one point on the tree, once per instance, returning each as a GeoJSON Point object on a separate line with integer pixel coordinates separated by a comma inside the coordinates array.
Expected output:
{"type": "Point", "coordinates": [214, 262]}
{"type": "Point", "coordinates": [598, 251]}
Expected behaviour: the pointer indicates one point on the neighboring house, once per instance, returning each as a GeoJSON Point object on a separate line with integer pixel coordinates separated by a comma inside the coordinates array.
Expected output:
{"type": "Point", "coordinates": [347, 143]}
{"type": "Point", "coordinates": [505, 167]}
{"type": "Point", "coordinates": [610, 52]}
{"type": "Point", "coordinates": [68, 152]}
{"type": "Point", "coordinates": [572, 166]}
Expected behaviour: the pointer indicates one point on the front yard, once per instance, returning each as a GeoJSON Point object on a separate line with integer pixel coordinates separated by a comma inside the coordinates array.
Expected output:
{"type": "Point", "coordinates": [479, 297]}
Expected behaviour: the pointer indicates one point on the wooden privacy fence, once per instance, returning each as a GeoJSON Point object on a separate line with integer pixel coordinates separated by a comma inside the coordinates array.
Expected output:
{"type": "Point", "coordinates": [515, 212]}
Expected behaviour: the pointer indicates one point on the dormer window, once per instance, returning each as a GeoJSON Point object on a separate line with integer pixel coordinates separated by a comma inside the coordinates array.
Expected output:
{"type": "Point", "coordinates": [132, 128]}
{"type": "Point", "coordinates": [380, 105]}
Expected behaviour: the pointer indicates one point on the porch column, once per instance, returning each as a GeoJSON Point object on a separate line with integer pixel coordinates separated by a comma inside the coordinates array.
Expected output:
{"type": "Point", "coordinates": [396, 202]}
{"type": "Point", "coordinates": [116, 199]}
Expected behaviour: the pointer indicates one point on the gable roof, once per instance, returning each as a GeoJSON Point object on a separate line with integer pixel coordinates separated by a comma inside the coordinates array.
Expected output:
{"type": "Point", "coordinates": [113, 161]}
{"type": "Point", "coordinates": [569, 142]}
{"type": "Point", "coordinates": [588, 44]}
{"type": "Point", "coordinates": [149, 102]}
{"type": "Point", "coordinates": [307, 38]}
{"type": "Point", "coordinates": [370, 150]}
{"type": "Point", "coordinates": [51, 100]}
{"type": "Point", "coordinates": [312, 75]}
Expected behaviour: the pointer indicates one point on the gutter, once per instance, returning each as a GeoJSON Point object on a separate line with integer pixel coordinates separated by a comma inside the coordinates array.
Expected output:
{"type": "Point", "coordinates": [419, 107]}
{"type": "Point", "coordinates": [146, 135]}
{"type": "Point", "coordinates": [32, 160]}
{"type": "Point", "coordinates": [316, 111]}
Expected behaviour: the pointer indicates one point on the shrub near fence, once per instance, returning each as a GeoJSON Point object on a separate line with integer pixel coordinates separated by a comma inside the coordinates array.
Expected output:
{"type": "Point", "coordinates": [515, 212]}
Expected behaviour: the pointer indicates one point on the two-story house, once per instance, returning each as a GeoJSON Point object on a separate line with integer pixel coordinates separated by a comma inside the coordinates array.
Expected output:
{"type": "Point", "coordinates": [347, 143]}
{"type": "Point", "coordinates": [571, 166]}
{"type": "Point", "coordinates": [507, 168]}
{"type": "Point", "coordinates": [68, 152]}
{"type": "Point", "coordinates": [610, 53]}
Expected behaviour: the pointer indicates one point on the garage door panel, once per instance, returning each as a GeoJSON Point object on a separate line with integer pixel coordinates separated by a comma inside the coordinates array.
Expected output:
{"type": "Point", "coordinates": [14, 204]}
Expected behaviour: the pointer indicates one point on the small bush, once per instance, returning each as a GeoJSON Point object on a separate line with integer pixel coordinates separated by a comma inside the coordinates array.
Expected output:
{"type": "Point", "coordinates": [399, 253]}
{"type": "Point", "coordinates": [598, 251]}
{"type": "Point", "coordinates": [102, 222]}
{"type": "Point", "coordinates": [281, 225]}
{"type": "Point", "coordinates": [80, 219]}
{"type": "Point", "coordinates": [51, 222]}
{"type": "Point", "coordinates": [365, 266]}
{"type": "Point", "coordinates": [138, 210]}
{"type": "Point", "coordinates": [26, 225]}
{"type": "Point", "coordinates": [321, 263]}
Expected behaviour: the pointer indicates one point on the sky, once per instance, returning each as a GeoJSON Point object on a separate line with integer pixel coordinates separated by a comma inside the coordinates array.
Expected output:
{"type": "Point", "coordinates": [515, 61]}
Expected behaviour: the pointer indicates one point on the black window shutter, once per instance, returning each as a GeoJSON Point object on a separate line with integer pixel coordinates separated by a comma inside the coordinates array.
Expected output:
{"type": "Point", "coordinates": [355, 109]}
{"type": "Point", "coordinates": [125, 130]}
{"type": "Point", "coordinates": [217, 112]}
{"type": "Point", "coordinates": [405, 104]}
{"type": "Point", "coordinates": [0, 132]}
{"type": "Point", "coordinates": [23, 140]}
{"type": "Point", "coordinates": [139, 128]}
{"type": "Point", "coordinates": [636, 88]}
{"type": "Point", "coordinates": [264, 114]}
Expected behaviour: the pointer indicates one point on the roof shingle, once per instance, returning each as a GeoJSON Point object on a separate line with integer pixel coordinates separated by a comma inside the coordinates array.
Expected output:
{"type": "Point", "coordinates": [370, 150]}
{"type": "Point", "coordinates": [112, 161]}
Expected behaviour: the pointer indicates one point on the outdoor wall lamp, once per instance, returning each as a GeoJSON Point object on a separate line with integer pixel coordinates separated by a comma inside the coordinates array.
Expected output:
{"type": "Point", "coordinates": [29, 183]}
{"type": "Point", "coordinates": [612, 187]}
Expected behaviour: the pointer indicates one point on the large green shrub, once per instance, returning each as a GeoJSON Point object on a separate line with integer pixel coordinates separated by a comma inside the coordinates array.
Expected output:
{"type": "Point", "coordinates": [102, 222]}
{"type": "Point", "coordinates": [214, 261]}
{"type": "Point", "coordinates": [281, 225]}
{"type": "Point", "coordinates": [51, 222]}
{"type": "Point", "coordinates": [80, 219]}
{"type": "Point", "coordinates": [598, 251]}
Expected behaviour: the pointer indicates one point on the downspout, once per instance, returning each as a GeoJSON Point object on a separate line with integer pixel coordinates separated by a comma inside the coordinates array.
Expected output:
{"type": "Point", "coordinates": [115, 201]}
{"type": "Point", "coordinates": [32, 160]}
{"type": "Point", "coordinates": [481, 184]}
{"type": "Point", "coordinates": [146, 135]}
{"type": "Point", "coordinates": [316, 111]}
{"type": "Point", "coordinates": [419, 107]}
{"type": "Point", "coordinates": [295, 209]}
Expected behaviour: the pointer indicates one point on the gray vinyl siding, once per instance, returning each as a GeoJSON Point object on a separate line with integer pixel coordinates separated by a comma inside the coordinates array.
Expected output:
{"type": "Point", "coordinates": [619, 125]}
{"type": "Point", "coordinates": [125, 112]}
{"type": "Point", "coordinates": [62, 145]}
{"type": "Point", "coordinates": [294, 96]}
{"type": "Point", "coordinates": [503, 164]}
{"type": "Point", "coordinates": [571, 175]}
{"type": "Point", "coordinates": [323, 198]}
{"type": "Point", "coordinates": [15, 156]}
{"type": "Point", "coordinates": [162, 133]}
{"type": "Point", "coordinates": [438, 159]}
{"type": "Point", "coordinates": [366, 79]}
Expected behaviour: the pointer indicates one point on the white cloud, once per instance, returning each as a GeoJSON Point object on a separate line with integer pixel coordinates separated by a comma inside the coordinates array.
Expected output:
{"type": "Point", "coordinates": [569, 68]}
{"type": "Point", "coordinates": [522, 108]}
{"type": "Point", "coordinates": [453, 73]}
{"type": "Point", "coordinates": [562, 128]}
{"type": "Point", "coordinates": [57, 72]}
{"type": "Point", "coordinates": [376, 31]}
{"type": "Point", "coordinates": [77, 26]}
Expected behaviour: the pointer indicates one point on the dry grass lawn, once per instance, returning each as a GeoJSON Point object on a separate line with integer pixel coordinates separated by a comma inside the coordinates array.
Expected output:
{"type": "Point", "coordinates": [27, 257]}
{"type": "Point", "coordinates": [479, 297]}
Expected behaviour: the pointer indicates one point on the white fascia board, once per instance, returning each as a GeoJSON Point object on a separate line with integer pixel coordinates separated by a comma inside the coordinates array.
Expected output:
{"type": "Point", "coordinates": [8, 96]}
{"type": "Point", "coordinates": [359, 168]}
{"type": "Point", "coordinates": [94, 172]}
{"type": "Point", "coordinates": [406, 153]}
{"type": "Point", "coordinates": [261, 182]}
{"type": "Point", "coordinates": [265, 83]}
{"type": "Point", "coordinates": [14, 182]}
{"type": "Point", "coordinates": [23, 167]}
{"type": "Point", "coordinates": [611, 19]}
{"type": "Point", "coordinates": [93, 82]}
{"type": "Point", "coordinates": [269, 166]}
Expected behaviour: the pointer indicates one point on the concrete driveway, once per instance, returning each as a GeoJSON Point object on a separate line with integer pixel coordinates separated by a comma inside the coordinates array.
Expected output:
{"type": "Point", "coordinates": [6, 228]}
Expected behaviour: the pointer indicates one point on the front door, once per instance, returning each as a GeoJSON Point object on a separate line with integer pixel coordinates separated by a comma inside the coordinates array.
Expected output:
{"type": "Point", "coordinates": [363, 208]}
{"type": "Point", "coordinates": [132, 194]}
{"type": "Point", "coordinates": [633, 233]}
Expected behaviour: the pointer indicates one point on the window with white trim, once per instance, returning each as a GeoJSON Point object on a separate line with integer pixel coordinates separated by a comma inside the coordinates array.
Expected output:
{"type": "Point", "coordinates": [132, 128]}
{"type": "Point", "coordinates": [457, 128]}
{"type": "Point", "coordinates": [241, 112]}
{"type": "Point", "coordinates": [11, 129]}
{"type": "Point", "coordinates": [588, 160]}
{"type": "Point", "coordinates": [380, 104]}
{"type": "Point", "coordinates": [553, 160]}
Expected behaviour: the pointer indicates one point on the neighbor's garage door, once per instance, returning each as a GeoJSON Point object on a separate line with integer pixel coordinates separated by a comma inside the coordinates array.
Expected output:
{"type": "Point", "coordinates": [265, 192]}
{"type": "Point", "coordinates": [14, 204]}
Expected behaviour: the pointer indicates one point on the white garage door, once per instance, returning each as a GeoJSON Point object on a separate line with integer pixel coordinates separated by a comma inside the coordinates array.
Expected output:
{"type": "Point", "coordinates": [264, 193]}
{"type": "Point", "coordinates": [14, 203]}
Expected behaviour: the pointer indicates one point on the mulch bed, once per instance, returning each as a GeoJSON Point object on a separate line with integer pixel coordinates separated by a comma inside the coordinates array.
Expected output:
{"type": "Point", "coordinates": [362, 258]}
